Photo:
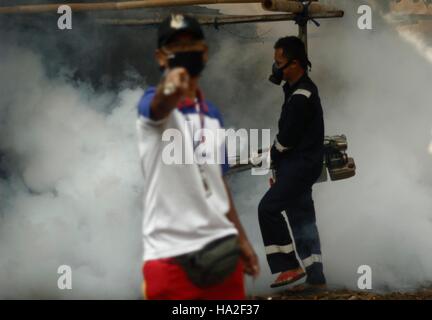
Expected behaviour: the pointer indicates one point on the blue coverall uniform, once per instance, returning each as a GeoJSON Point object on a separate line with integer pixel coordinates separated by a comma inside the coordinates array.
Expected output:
{"type": "Point", "coordinates": [297, 155]}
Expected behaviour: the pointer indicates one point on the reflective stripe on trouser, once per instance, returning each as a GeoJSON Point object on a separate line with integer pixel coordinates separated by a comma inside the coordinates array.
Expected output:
{"type": "Point", "coordinates": [308, 247]}
{"type": "Point", "coordinates": [295, 200]}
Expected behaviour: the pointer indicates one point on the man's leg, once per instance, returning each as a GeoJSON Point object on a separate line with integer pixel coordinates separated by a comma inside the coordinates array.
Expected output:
{"type": "Point", "coordinates": [277, 240]}
{"type": "Point", "coordinates": [301, 216]}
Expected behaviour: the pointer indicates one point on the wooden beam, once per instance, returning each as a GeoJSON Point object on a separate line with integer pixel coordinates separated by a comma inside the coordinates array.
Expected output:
{"type": "Point", "coordinates": [294, 6]}
{"type": "Point", "coordinates": [124, 5]}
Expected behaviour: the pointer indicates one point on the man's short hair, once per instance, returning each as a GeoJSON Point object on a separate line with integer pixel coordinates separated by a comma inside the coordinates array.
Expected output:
{"type": "Point", "coordinates": [294, 49]}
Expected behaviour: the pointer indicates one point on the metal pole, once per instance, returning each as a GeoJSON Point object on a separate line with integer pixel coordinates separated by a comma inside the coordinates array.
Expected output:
{"type": "Point", "coordinates": [213, 20]}
{"type": "Point", "coordinates": [303, 35]}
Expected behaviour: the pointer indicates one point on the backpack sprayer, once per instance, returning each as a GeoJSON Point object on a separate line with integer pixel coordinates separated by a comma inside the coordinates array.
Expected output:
{"type": "Point", "coordinates": [336, 163]}
{"type": "Point", "coordinates": [339, 165]}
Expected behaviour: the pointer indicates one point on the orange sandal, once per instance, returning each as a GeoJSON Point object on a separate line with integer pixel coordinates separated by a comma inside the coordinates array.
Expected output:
{"type": "Point", "coordinates": [286, 278]}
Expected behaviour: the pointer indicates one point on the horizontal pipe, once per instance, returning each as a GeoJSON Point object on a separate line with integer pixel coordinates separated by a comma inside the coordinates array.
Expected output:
{"type": "Point", "coordinates": [220, 19]}
{"type": "Point", "coordinates": [125, 5]}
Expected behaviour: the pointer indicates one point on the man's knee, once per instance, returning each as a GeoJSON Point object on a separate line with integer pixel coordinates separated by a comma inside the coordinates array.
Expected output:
{"type": "Point", "coordinates": [268, 207]}
{"type": "Point", "coordinates": [263, 207]}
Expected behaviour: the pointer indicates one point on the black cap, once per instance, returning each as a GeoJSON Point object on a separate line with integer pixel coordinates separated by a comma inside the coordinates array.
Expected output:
{"type": "Point", "coordinates": [175, 24]}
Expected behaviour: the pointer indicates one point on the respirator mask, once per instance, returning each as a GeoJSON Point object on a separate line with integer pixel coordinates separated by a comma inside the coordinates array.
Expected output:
{"type": "Point", "coordinates": [277, 73]}
{"type": "Point", "coordinates": [192, 61]}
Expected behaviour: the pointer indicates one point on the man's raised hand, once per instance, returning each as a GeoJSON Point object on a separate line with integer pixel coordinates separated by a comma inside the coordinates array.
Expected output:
{"type": "Point", "coordinates": [173, 87]}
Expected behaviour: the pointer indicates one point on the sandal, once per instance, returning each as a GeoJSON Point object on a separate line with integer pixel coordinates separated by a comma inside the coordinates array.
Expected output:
{"type": "Point", "coordinates": [286, 278]}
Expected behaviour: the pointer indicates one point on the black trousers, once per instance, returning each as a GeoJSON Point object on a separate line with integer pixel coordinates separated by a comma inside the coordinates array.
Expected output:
{"type": "Point", "coordinates": [291, 195]}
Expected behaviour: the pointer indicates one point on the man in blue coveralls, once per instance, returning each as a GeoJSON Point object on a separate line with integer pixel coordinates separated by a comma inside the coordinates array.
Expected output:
{"type": "Point", "coordinates": [297, 156]}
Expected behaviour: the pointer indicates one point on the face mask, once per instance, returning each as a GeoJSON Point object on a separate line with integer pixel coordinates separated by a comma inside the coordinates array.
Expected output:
{"type": "Point", "coordinates": [192, 61]}
{"type": "Point", "coordinates": [277, 73]}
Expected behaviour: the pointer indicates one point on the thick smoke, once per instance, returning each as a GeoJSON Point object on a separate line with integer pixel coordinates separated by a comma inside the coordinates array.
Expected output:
{"type": "Point", "coordinates": [72, 197]}
{"type": "Point", "coordinates": [73, 192]}
{"type": "Point", "coordinates": [379, 96]}
{"type": "Point", "coordinates": [375, 88]}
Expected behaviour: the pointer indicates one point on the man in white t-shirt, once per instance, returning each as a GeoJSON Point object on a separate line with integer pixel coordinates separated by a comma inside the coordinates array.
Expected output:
{"type": "Point", "coordinates": [189, 216]}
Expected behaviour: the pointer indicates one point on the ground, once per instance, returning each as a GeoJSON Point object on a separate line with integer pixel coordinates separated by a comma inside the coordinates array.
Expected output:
{"type": "Point", "coordinates": [422, 294]}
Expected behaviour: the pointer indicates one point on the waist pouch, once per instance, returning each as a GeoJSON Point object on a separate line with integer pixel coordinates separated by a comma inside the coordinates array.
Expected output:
{"type": "Point", "coordinates": [212, 264]}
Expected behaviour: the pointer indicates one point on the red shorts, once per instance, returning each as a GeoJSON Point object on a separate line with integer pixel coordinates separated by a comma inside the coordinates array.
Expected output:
{"type": "Point", "coordinates": [166, 280]}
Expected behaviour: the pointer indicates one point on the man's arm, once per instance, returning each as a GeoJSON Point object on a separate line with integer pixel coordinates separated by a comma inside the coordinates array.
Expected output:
{"type": "Point", "coordinates": [294, 122]}
{"type": "Point", "coordinates": [249, 257]}
{"type": "Point", "coordinates": [177, 80]}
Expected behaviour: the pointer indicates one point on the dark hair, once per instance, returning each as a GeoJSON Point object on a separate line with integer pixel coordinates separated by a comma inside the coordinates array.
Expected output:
{"type": "Point", "coordinates": [294, 48]}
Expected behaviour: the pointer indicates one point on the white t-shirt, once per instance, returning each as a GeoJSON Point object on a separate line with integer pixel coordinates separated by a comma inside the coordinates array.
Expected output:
{"type": "Point", "coordinates": [182, 211]}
